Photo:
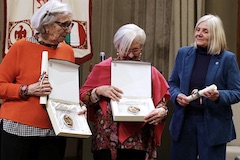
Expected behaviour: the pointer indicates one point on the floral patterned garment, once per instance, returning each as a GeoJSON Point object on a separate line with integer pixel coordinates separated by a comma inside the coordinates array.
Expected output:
{"type": "Point", "coordinates": [105, 136]}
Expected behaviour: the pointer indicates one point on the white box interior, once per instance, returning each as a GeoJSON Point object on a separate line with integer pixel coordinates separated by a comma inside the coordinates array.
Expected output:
{"type": "Point", "coordinates": [64, 100]}
{"type": "Point", "coordinates": [134, 79]}
{"type": "Point", "coordinates": [57, 112]}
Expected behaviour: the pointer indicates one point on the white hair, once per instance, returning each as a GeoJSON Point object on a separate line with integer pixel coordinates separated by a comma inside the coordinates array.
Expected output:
{"type": "Point", "coordinates": [47, 14]}
{"type": "Point", "coordinates": [125, 35]}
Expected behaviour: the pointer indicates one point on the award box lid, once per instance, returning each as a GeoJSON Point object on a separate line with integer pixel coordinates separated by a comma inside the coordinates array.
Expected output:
{"type": "Point", "coordinates": [132, 77]}
{"type": "Point", "coordinates": [64, 78]}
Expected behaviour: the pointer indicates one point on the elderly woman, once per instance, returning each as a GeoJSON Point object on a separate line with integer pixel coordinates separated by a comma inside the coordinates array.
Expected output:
{"type": "Point", "coordinates": [123, 140]}
{"type": "Point", "coordinates": [27, 132]}
{"type": "Point", "coordinates": [201, 128]}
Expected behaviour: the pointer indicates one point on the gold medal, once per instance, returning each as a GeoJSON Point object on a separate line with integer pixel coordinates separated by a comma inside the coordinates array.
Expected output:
{"type": "Point", "coordinates": [67, 120]}
{"type": "Point", "coordinates": [133, 109]}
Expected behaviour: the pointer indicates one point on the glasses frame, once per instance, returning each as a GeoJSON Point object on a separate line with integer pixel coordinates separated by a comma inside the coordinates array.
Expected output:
{"type": "Point", "coordinates": [135, 51]}
{"type": "Point", "coordinates": [65, 25]}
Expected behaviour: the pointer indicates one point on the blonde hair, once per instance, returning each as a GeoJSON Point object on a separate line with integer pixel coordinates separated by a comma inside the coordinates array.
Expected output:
{"type": "Point", "coordinates": [217, 41]}
{"type": "Point", "coordinates": [125, 35]}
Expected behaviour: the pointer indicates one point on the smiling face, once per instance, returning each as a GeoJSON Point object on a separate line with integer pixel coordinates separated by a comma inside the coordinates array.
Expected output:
{"type": "Point", "coordinates": [57, 31]}
{"type": "Point", "coordinates": [202, 36]}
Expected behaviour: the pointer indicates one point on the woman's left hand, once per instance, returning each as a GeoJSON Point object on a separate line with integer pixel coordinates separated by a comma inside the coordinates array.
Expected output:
{"type": "Point", "coordinates": [156, 116]}
{"type": "Point", "coordinates": [83, 110]}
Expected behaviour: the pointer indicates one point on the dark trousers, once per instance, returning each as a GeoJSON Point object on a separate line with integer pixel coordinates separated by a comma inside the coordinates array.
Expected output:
{"type": "Point", "coordinates": [193, 143]}
{"type": "Point", "coordinates": [31, 148]}
{"type": "Point", "coordinates": [122, 154]}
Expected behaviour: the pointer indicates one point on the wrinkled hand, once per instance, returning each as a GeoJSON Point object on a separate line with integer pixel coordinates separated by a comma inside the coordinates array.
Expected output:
{"type": "Point", "coordinates": [156, 116]}
{"type": "Point", "coordinates": [212, 95]}
{"type": "Point", "coordinates": [109, 91]}
{"type": "Point", "coordinates": [83, 111]}
{"type": "Point", "coordinates": [36, 89]}
{"type": "Point", "coordinates": [182, 99]}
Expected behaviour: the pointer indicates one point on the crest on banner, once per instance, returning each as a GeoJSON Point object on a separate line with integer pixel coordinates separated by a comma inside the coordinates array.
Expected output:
{"type": "Point", "coordinates": [17, 25]}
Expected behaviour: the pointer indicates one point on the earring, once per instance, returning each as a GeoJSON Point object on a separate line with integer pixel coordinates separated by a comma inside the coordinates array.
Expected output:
{"type": "Point", "coordinates": [140, 54]}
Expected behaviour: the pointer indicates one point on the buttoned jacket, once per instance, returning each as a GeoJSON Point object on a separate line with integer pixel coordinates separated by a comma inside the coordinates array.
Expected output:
{"type": "Point", "coordinates": [223, 71]}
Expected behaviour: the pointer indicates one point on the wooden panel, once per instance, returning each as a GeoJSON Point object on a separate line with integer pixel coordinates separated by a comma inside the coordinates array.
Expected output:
{"type": "Point", "coordinates": [153, 16]}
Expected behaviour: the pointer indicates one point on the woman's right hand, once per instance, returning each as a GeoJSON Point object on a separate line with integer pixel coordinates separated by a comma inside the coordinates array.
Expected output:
{"type": "Point", "coordinates": [111, 92]}
{"type": "Point", "coordinates": [182, 99]}
{"type": "Point", "coordinates": [36, 89]}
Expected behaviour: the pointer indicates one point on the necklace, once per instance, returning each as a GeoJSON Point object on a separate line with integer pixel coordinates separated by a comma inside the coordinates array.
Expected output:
{"type": "Point", "coordinates": [53, 46]}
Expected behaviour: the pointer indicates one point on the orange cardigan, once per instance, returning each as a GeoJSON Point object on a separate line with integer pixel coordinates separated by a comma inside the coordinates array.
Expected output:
{"type": "Point", "coordinates": [22, 65]}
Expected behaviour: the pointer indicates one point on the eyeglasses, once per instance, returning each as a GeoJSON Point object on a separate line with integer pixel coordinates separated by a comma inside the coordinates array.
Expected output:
{"type": "Point", "coordinates": [65, 25]}
{"type": "Point", "coordinates": [135, 50]}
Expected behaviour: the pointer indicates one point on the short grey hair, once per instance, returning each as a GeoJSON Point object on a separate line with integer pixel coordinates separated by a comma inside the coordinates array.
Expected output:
{"type": "Point", "coordinates": [47, 14]}
{"type": "Point", "coordinates": [125, 35]}
{"type": "Point", "coordinates": [217, 41]}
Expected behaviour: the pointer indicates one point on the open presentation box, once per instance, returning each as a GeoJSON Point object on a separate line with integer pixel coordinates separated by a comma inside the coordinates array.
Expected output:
{"type": "Point", "coordinates": [135, 80]}
{"type": "Point", "coordinates": [63, 102]}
